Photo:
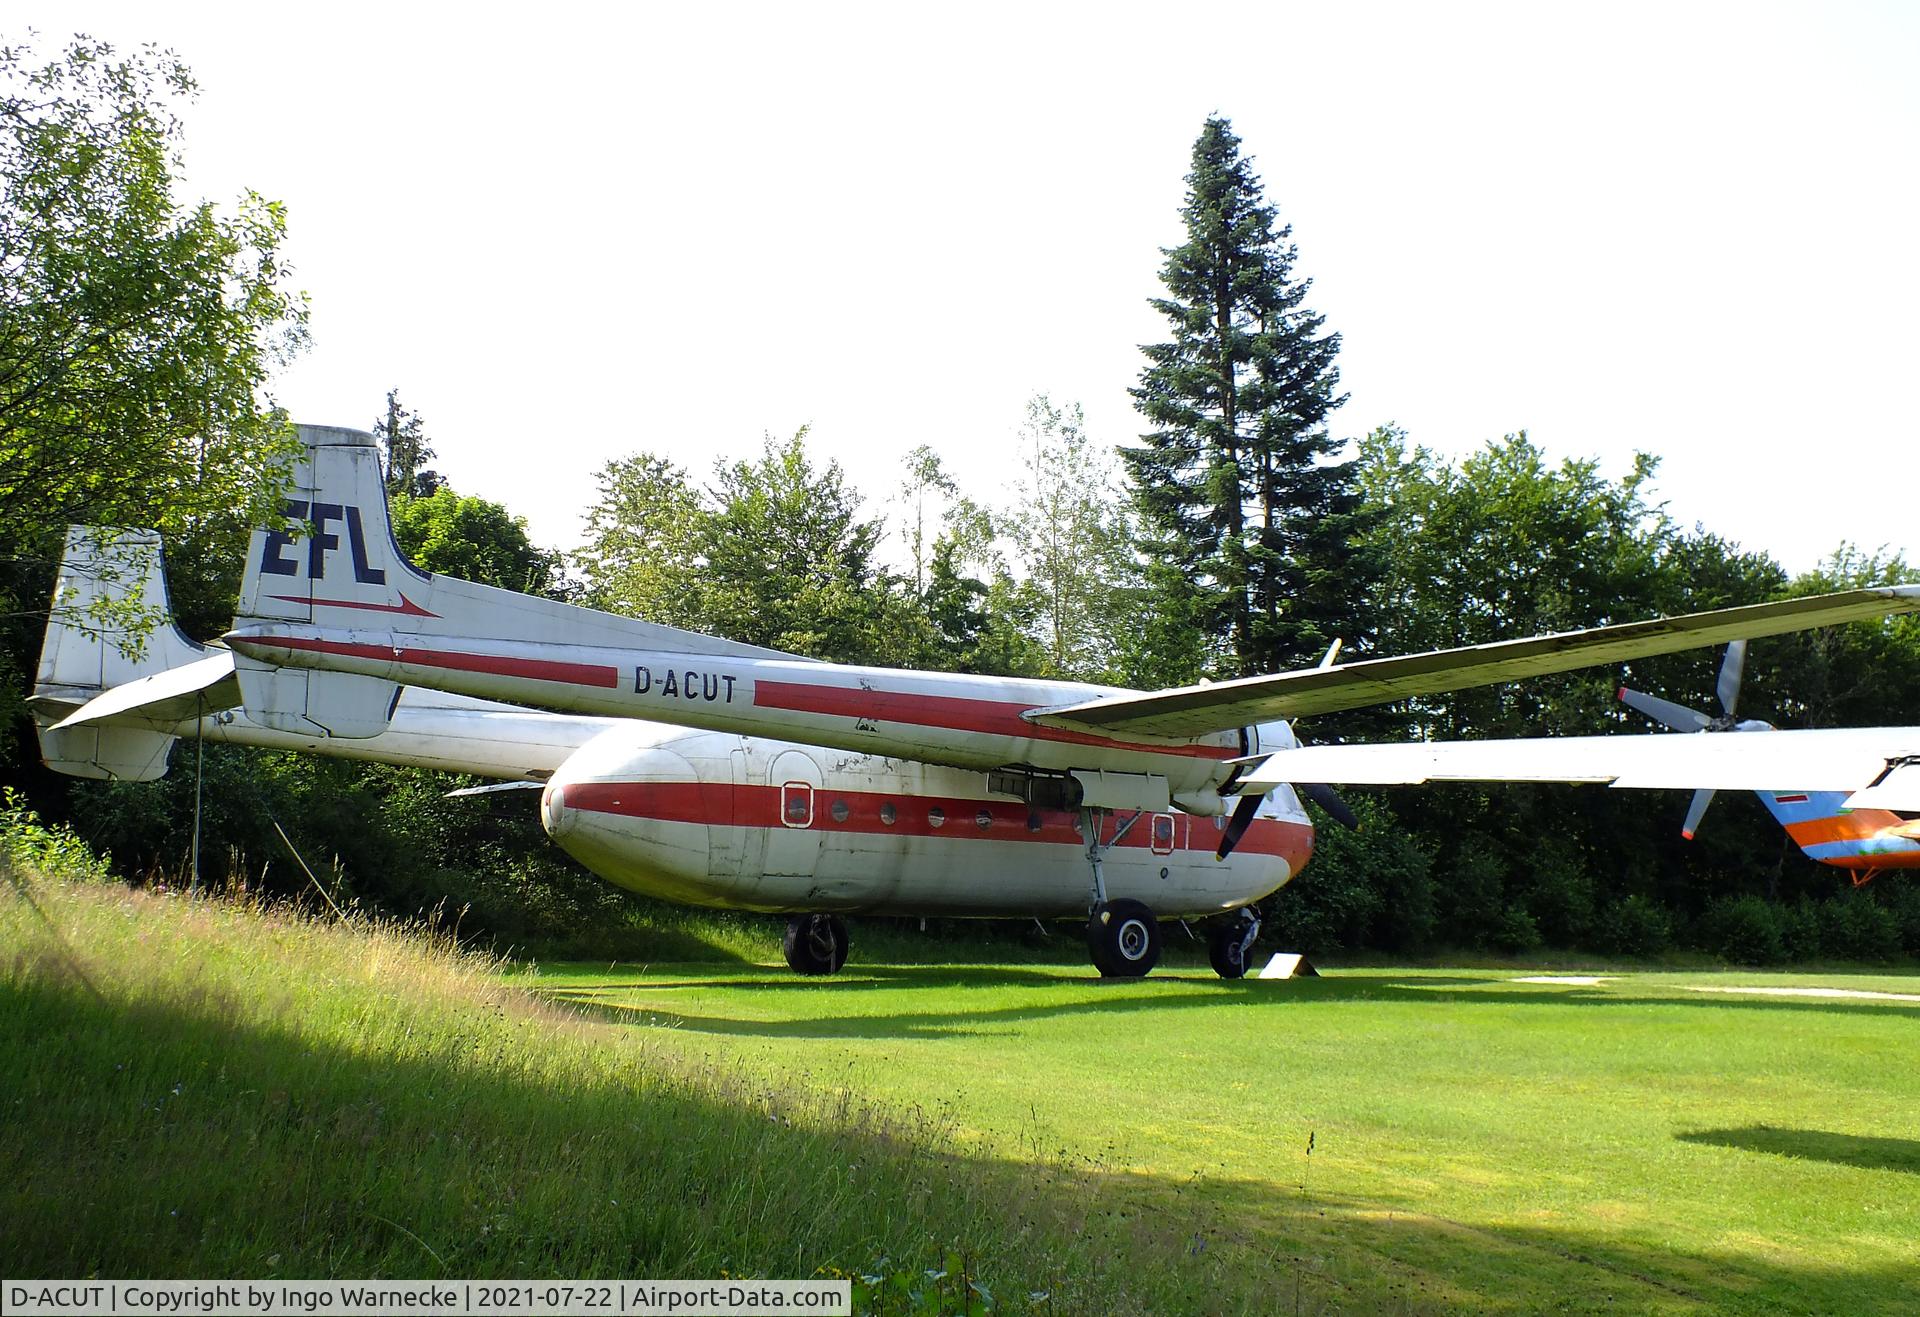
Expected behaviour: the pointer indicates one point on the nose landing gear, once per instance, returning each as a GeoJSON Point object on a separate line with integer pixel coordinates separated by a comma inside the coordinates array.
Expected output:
{"type": "Point", "coordinates": [816, 944]}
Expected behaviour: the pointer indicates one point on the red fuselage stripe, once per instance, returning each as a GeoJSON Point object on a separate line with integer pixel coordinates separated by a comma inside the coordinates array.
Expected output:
{"type": "Point", "coordinates": [578, 674]}
{"type": "Point", "coordinates": [960, 818]}
{"type": "Point", "coordinates": [988, 717]}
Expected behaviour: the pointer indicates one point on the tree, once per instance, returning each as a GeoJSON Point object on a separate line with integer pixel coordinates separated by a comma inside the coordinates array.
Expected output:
{"type": "Point", "coordinates": [137, 332]}
{"type": "Point", "coordinates": [789, 560]}
{"type": "Point", "coordinates": [641, 555]}
{"type": "Point", "coordinates": [926, 478]}
{"type": "Point", "coordinates": [405, 450]}
{"type": "Point", "coordinates": [472, 539]}
{"type": "Point", "coordinates": [1071, 542]}
{"type": "Point", "coordinates": [1250, 521]}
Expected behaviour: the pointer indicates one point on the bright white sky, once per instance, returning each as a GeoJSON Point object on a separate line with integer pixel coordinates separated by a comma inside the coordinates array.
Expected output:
{"type": "Point", "coordinates": [567, 233]}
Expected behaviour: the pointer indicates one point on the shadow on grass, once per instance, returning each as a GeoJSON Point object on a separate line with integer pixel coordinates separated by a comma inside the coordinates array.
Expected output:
{"type": "Point", "coordinates": [1054, 994]}
{"type": "Point", "coordinates": [1864, 1151]}
{"type": "Point", "coordinates": [191, 1137]}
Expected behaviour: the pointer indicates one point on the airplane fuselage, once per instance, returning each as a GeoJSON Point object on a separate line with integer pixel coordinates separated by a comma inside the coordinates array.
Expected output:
{"type": "Point", "coordinates": [722, 820]}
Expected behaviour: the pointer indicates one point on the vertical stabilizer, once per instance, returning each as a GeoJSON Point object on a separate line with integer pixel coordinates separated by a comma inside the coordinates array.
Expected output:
{"type": "Point", "coordinates": [335, 563]}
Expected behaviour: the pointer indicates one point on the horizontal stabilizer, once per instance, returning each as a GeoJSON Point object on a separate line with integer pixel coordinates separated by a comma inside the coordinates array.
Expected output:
{"type": "Point", "coordinates": [1194, 710]}
{"type": "Point", "coordinates": [204, 686]}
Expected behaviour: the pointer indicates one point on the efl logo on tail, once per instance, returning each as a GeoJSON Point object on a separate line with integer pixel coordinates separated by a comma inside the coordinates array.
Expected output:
{"type": "Point", "coordinates": [275, 559]}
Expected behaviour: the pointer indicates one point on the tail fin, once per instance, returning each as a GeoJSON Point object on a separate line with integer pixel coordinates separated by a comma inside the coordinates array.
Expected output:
{"type": "Point", "coordinates": [337, 580]}
{"type": "Point", "coordinates": [110, 625]}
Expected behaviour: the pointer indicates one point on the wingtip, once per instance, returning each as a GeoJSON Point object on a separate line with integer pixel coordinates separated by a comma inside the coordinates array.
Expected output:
{"type": "Point", "coordinates": [1687, 834]}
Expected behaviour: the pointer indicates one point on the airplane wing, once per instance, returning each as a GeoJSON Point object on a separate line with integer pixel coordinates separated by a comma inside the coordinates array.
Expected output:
{"type": "Point", "coordinates": [1881, 759]}
{"type": "Point", "coordinates": [1194, 710]}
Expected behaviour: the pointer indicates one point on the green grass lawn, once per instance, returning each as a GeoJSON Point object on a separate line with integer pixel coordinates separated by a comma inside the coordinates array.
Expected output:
{"type": "Point", "coordinates": [198, 1088]}
{"type": "Point", "coordinates": [1477, 1143]}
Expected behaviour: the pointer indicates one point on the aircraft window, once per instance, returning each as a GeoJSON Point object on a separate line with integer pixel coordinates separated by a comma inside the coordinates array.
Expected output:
{"type": "Point", "coordinates": [936, 816]}
{"type": "Point", "coordinates": [840, 811]}
{"type": "Point", "coordinates": [984, 818]}
{"type": "Point", "coordinates": [797, 809]}
{"type": "Point", "coordinates": [1033, 820]}
{"type": "Point", "coordinates": [888, 813]}
{"type": "Point", "coordinates": [1163, 829]}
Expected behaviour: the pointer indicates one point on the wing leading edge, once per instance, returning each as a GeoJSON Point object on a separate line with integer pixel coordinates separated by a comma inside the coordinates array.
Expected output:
{"type": "Point", "coordinates": [1194, 710]}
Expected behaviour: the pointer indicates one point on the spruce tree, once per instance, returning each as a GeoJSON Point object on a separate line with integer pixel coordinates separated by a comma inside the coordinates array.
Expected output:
{"type": "Point", "coordinates": [1248, 522]}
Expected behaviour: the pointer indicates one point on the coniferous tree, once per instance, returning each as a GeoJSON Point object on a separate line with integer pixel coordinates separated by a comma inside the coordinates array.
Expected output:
{"type": "Point", "coordinates": [1249, 522]}
{"type": "Point", "coordinates": [404, 446]}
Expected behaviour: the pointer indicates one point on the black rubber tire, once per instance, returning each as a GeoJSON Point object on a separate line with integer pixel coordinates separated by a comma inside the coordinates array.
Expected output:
{"type": "Point", "coordinates": [1124, 939]}
{"type": "Point", "coordinates": [815, 944]}
{"type": "Point", "coordinates": [1227, 950]}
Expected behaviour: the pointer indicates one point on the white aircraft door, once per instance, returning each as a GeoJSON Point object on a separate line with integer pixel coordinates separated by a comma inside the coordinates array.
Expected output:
{"type": "Point", "coordinates": [793, 846]}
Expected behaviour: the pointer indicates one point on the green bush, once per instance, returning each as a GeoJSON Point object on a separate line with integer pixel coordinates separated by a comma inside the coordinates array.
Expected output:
{"type": "Point", "coordinates": [27, 843]}
{"type": "Point", "coordinates": [1903, 903]}
{"type": "Point", "coordinates": [1632, 927]}
{"type": "Point", "coordinates": [1473, 895]}
{"type": "Point", "coordinates": [1515, 932]}
{"type": "Point", "coordinates": [1802, 930]}
{"type": "Point", "coordinates": [1559, 894]}
{"type": "Point", "coordinates": [1370, 888]}
{"type": "Point", "coordinates": [1855, 927]}
{"type": "Point", "coordinates": [1743, 930]}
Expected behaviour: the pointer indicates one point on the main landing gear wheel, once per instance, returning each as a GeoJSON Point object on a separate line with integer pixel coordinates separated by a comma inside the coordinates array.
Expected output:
{"type": "Point", "coordinates": [1230, 942]}
{"type": "Point", "coordinates": [1124, 939]}
{"type": "Point", "coordinates": [816, 944]}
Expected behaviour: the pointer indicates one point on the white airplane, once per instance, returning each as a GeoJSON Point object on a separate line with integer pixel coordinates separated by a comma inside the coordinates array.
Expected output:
{"type": "Point", "coordinates": [818, 789]}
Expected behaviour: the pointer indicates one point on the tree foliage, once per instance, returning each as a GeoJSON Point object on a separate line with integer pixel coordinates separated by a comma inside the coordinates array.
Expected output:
{"type": "Point", "coordinates": [405, 450]}
{"type": "Point", "coordinates": [1072, 542]}
{"type": "Point", "coordinates": [1249, 521]}
{"type": "Point", "coordinates": [473, 539]}
{"type": "Point", "coordinates": [137, 331]}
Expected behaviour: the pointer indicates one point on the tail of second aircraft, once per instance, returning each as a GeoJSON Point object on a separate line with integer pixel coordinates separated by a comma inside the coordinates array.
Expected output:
{"type": "Point", "coordinates": [334, 580]}
{"type": "Point", "coordinates": [1820, 824]}
{"type": "Point", "coordinates": [110, 628]}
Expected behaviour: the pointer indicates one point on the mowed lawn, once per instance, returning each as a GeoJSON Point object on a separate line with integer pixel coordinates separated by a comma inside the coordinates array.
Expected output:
{"type": "Point", "coordinates": [1393, 1139]}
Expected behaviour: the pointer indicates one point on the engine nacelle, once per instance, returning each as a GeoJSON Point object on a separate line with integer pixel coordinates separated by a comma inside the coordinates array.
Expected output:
{"type": "Point", "coordinates": [1267, 738]}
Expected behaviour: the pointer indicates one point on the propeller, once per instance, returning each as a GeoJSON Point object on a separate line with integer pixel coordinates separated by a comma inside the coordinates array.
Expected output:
{"type": "Point", "coordinates": [1682, 719]}
{"type": "Point", "coordinates": [1319, 793]}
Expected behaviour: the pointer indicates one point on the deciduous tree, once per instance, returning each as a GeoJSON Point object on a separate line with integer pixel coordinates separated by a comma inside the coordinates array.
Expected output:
{"type": "Point", "coordinates": [137, 330]}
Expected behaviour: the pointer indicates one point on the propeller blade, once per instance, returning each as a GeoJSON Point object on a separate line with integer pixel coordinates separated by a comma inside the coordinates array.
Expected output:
{"type": "Point", "coordinates": [1730, 669]}
{"type": "Point", "coordinates": [1328, 799]}
{"type": "Point", "coordinates": [1237, 825]}
{"type": "Point", "coordinates": [1701, 799]}
{"type": "Point", "coordinates": [1666, 712]}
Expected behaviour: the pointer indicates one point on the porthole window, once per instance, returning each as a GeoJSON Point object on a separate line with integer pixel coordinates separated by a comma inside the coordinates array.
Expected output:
{"type": "Point", "coordinates": [888, 813]}
{"type": "Point", "coordinates": [937, 816]}
{"type": "Point", "coordinates": [984, 818]}
{"type": "Point", "coordinates": [840, 811]}
{"type": "Point", "coordinates": [1033, 820]}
